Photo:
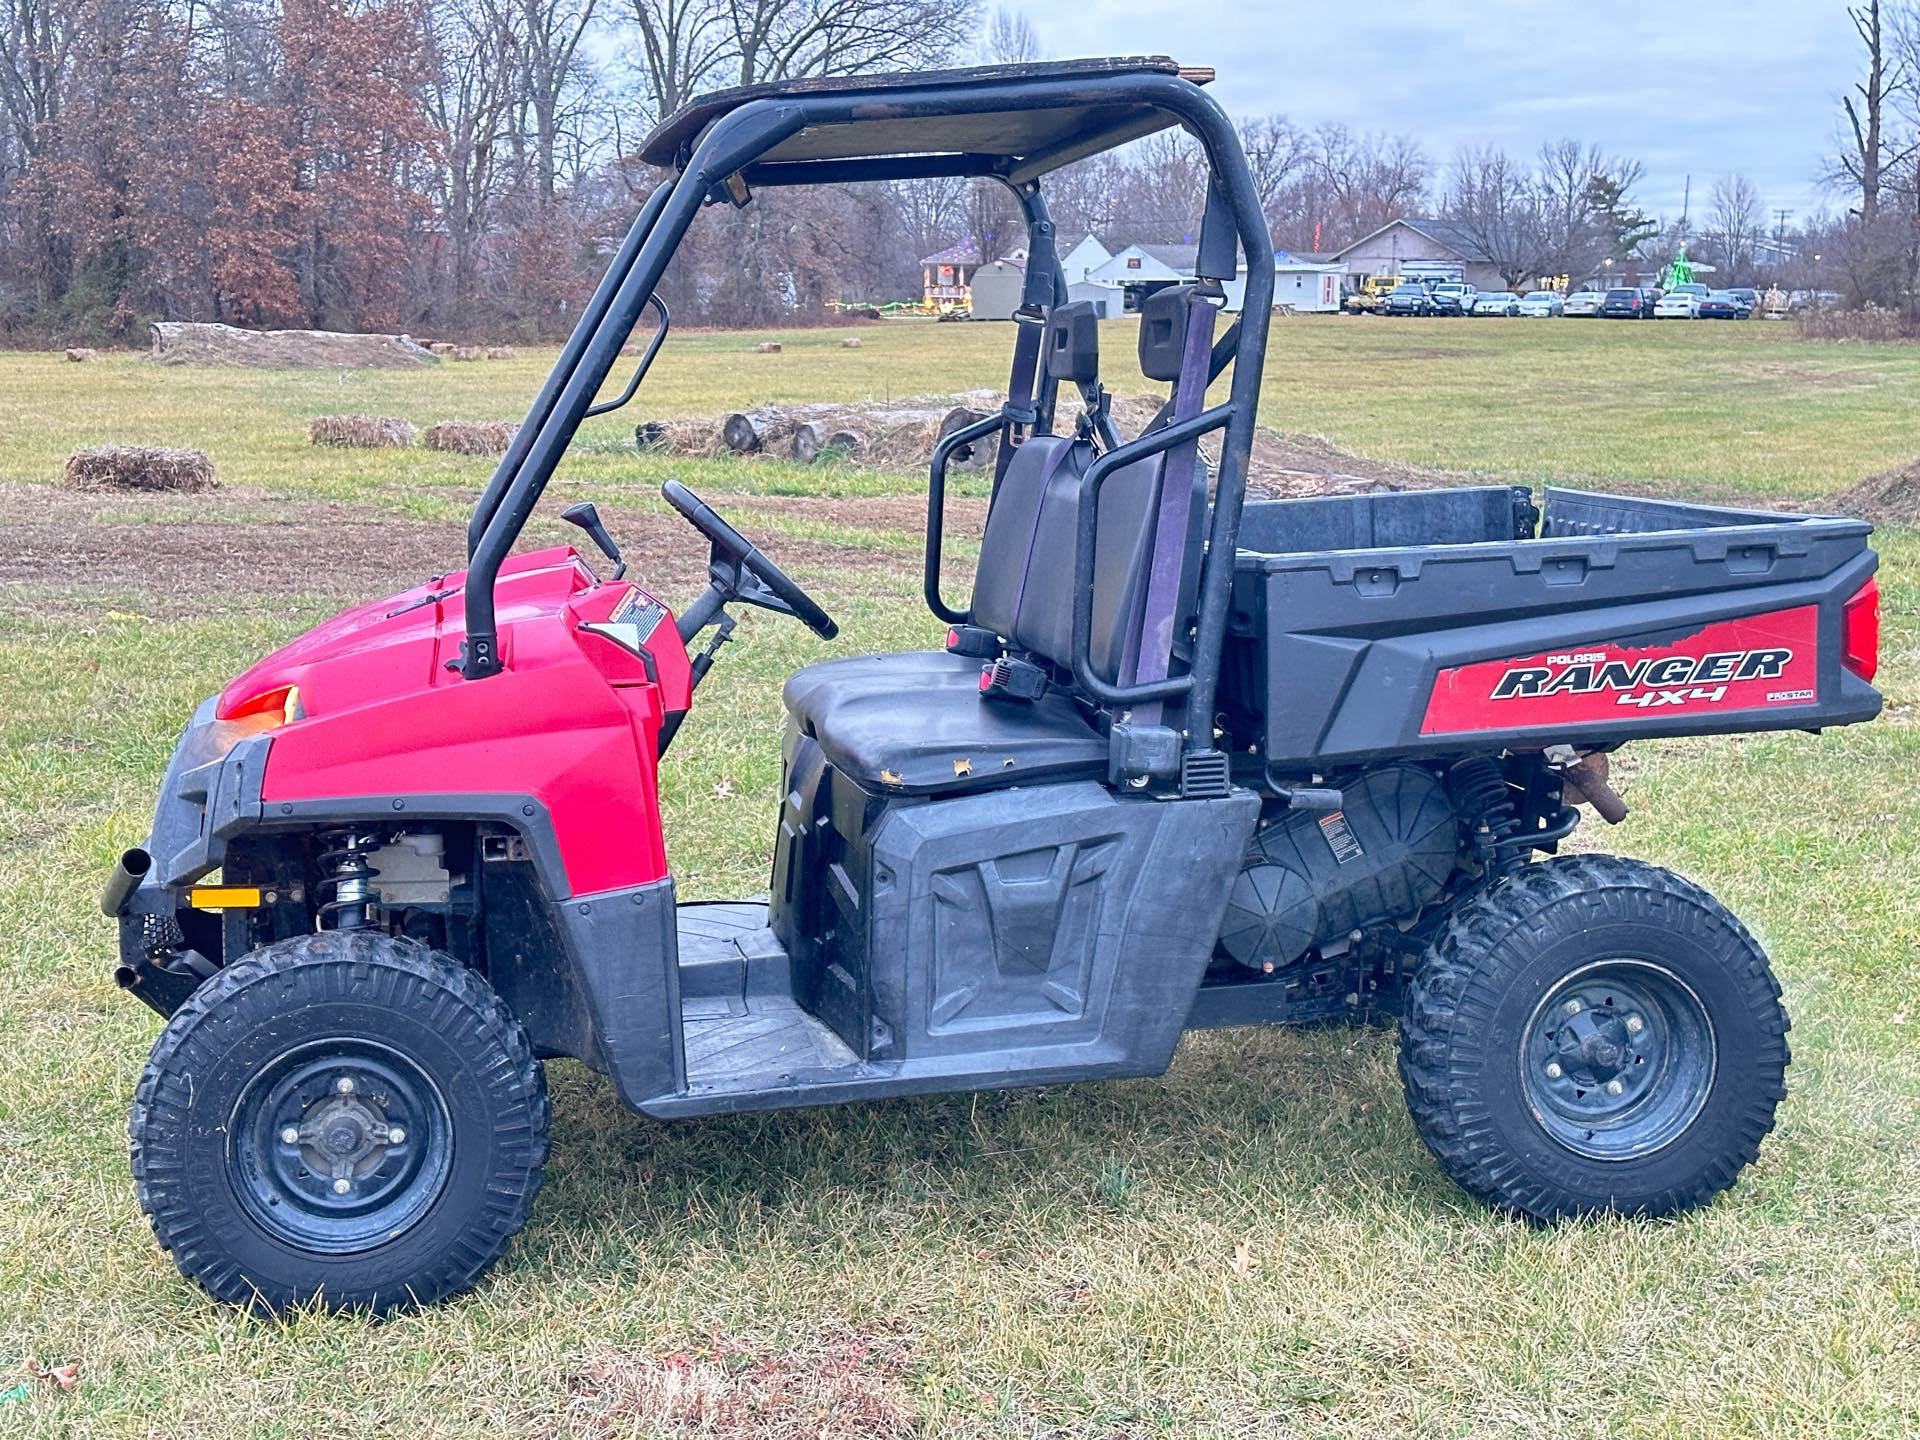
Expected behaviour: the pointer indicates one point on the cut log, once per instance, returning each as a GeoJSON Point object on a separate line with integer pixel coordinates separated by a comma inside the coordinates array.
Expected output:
{"type": "Point", "coordinates": [746, 431]}
{"type": "Point", "coordinates": [809, 439]}
{"type": "Point", "coordinates": [979, 454]}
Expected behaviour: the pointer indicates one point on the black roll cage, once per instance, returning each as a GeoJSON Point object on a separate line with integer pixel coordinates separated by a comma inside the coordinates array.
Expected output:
{"type": "Point", "coordinates": [725, 163]}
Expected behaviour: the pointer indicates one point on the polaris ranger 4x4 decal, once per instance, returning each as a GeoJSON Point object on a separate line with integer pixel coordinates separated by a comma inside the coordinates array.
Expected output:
{"type": "Point", "coordinates": [1755, 662]}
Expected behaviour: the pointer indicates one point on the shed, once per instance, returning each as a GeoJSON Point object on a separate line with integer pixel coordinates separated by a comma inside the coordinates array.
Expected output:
{"type": "Point", "coordinates": [997, 289]}
{"type": "Point", "coordinates": [1303, 285]}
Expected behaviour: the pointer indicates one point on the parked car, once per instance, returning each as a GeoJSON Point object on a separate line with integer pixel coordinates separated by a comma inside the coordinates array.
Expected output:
{"type": "Point", "coordinates": [1721, 305]}
{"type": "Point", "coordinates": [1582, 302]}
{"type": "Point", "coordinates": [1542, 302]}
{"type": "Point", "coordinates": [1409, 299]}
{"type": "Point", "coordinates": [1679, 303]}
{"type": "Point", "coordinates": [1497, 302]}
{"type": "Point", "coordinates": [1624, 303]}
{"type": "Point", "coordinates": [1747, 299]}
{"type": "Point", "coordinates": [1454, 297]}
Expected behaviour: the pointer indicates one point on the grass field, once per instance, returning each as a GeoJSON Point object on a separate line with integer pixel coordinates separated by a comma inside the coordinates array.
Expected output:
{"type": "Point", "coordinates": [1254, 1245]}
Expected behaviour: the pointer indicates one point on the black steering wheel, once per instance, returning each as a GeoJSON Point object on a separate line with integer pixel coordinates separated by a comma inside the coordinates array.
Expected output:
{"type": "Point", "coordinates": [773, 588]}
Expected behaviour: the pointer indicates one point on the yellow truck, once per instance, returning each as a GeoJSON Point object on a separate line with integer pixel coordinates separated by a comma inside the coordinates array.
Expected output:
{"type": "Point", "coordinates": [1371, 297]}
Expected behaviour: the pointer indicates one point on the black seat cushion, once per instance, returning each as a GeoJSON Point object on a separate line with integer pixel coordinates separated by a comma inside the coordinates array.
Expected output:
{"type": "Point", "coordinates": [914, 723]}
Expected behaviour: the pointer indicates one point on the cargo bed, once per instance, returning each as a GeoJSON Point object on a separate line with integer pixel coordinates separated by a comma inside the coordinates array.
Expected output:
{"type": "Point", "coordinates": [1442, 621]}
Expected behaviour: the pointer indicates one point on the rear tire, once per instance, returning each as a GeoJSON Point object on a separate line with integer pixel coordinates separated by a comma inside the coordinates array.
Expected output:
{"type": "Point", "coordinates": [1594, 1035]}
{"type": "Point", "coordinates": [344, 1118]}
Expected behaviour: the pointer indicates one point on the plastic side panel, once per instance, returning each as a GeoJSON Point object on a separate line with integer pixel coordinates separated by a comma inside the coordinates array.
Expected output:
{"type": "Point", "coordinates": [1755, 662]}
{"type": "Point", "coordinates": [1462, 516]}
{"type": "Point", "coordinates": [1050, 928]}
{"type": "Point", "coordinates": [1582, 512]}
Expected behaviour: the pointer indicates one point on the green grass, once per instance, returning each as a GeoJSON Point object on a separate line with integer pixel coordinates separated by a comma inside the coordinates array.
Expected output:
{"type": "Point", "coordinates": [1253, 1245]}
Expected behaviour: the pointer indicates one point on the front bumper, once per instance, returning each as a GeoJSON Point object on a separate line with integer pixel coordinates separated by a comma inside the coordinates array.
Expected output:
{"type": "Point", "coordinates": [210, 794]}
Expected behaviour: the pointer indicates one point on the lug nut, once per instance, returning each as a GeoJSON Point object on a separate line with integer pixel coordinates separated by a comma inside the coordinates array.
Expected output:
{"type": "Point", "coordinates": [1614, 1087]}
{"type": "Point", "coordinates": [1573, 1007]}
{"type": "Point", "coordinates": [290, 1135]}
{"type": "Point", "coordinates": [344, 1085]}
{"type": "Point", "coordinates": [396, 1136]}
{"type": "Point", "coordinates": [1553, 1070]}
{"type": "Point", "coordinates": [342, 1185]}
{"type": "Point", "coordinates": [1635, 1024]}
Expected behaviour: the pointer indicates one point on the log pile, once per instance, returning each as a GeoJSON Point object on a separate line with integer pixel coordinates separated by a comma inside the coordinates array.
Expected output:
{"type": "Point", "coordinates": [887, 436]}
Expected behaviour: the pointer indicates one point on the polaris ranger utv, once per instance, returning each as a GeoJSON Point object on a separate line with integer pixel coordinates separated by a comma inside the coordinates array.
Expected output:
{"type": "Point", "coordinates": [1183, 761]}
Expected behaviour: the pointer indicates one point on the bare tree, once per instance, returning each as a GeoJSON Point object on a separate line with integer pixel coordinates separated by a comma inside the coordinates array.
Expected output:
{"type": "Point", "coordinates": [788, 39]}
{"type": "Point", "coordinates": [1735, 224]}
{"type": "Point", "coordinates": [683, 43]}
{"type": "Point", "coordinates": [1277, 151]}
{"type": "Point", "coordinates": [1500, 208]}
{"type": "Point", "coordinates": [1009, 39]}
{"type": "Point", "coordinates": [469, 96]}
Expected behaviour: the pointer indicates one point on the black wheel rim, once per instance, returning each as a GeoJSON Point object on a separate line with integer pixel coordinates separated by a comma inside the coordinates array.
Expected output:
{"type": "Point", "coordinates": [339, 1145]}
{"type": "Point", "coordinates": [1618, 1060]}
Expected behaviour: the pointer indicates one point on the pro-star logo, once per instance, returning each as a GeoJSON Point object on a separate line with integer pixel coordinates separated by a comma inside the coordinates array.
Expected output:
{"type": "Point", "coordinates": [1747, 663]}
{"type": "Point", "coordinates": [1646, 682]}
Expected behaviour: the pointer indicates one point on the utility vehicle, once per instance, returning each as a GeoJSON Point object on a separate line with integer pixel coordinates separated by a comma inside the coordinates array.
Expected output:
{"type": "Point", "coordinates": [1183, 760]}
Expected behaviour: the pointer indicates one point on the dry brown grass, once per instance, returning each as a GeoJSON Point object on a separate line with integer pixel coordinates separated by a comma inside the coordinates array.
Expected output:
{"type": "Point", "coordinates": [362, 432]}
{"type": "Point", "coordinates": [139, 467]}
{"type": "Point", "coordinates": [471, 437]}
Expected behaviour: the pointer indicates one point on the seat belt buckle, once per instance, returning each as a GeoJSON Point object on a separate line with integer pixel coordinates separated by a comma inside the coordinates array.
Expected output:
{"type": "Point", "coordinates": [976, 642]}
{"type": "Point", "coordinates": [1011, 679]}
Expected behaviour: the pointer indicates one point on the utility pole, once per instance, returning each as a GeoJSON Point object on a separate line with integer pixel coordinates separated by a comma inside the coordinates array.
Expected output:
{"type": "Point", "coordinates": [1780, 217]}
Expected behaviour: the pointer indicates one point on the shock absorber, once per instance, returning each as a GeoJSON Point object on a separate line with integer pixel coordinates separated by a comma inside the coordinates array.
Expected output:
{"type": "Point", "coordinates": [1485, 801]}
{"type": "Point", "coordinates": [346, 879]}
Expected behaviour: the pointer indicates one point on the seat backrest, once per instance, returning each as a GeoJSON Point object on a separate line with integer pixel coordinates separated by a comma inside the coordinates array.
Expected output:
{"type": "Point", "coordinates": [1023, 587]}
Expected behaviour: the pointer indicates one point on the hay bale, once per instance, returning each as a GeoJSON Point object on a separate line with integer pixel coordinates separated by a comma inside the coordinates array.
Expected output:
{"type": "Point", "coordinates": [471, 437]}
{"type": "Point", "coordinates": [139, 467]}
{"type": "Point", "coordinates": [362, 432]}
{"type": "Point", "coordinates": [767, 347]}
{"type": "Point", "coordinates": [500, 352]}
{"type": "Point", "coordinates": [442, 348]}
{"type": "Point", "coordinates": [467, 352]}
{"type": "Point", "coordinates": [178, 343]}
{"type": "Point", "coordinates": [80, 354]}
{"type": "Point", "coordinates": [852, 342]}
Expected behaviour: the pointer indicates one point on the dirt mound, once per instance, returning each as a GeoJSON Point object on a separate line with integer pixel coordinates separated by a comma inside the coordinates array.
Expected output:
{"type": "Point", "coordinates": [362, 432]}
{"type": "Point", "coordinates": [139, 467]}
{"type": "Point", "coordinates": [1890, 498]}
{"type": "Point", "coordinates": [178, 343]}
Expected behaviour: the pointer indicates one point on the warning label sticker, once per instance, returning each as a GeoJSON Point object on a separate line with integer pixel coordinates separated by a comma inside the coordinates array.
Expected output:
{"type": "Point", "coordinates": [1340, 838]}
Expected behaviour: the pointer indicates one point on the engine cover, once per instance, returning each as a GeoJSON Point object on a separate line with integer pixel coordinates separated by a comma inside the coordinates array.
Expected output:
{"type": "Point", "coordinates": [1311, 879]}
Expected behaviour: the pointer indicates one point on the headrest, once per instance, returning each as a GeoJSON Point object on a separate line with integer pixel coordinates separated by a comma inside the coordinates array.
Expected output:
{"type": "Point", "coordinates": [1073, 342]}
{"type": "Point", "coordinates": [1163, 331]}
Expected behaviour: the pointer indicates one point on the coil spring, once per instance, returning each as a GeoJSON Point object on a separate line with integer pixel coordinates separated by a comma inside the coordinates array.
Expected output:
{"type": "Point", "coordinates": [346, 877]}
{"type": "Point", "coordinates": [1485, 801]}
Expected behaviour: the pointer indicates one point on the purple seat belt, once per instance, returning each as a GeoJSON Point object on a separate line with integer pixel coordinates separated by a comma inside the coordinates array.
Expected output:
{"type": "Point", "coordinates": [1150, 645]}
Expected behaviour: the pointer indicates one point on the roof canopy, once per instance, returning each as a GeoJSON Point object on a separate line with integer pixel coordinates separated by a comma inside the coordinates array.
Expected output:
{"type": "Point", "coordinates": [975, 120]}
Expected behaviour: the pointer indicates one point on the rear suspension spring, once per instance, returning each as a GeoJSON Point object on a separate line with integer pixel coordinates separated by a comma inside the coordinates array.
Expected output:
{"type": "Point", "coordinates": [346, 878]}
{"type": "Point", "coordinates": [1484, 801]}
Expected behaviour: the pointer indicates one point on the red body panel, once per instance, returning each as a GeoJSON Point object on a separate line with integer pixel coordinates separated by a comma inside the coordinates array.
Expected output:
{"type": "Point", "coordinates": [573, 722]}
{"type": "Point", "coordinates": [1752, 663]}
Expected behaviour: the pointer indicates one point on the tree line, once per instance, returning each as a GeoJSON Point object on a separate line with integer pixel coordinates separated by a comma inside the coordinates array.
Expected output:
{"type": "Point", "coordinates": [464, 166]}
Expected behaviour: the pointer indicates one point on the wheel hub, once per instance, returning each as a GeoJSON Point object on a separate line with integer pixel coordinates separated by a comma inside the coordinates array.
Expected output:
{"type": "Point", "coordinates": [1618, 1059]}
{"type": "Point", "coordinates": [340, 1145]}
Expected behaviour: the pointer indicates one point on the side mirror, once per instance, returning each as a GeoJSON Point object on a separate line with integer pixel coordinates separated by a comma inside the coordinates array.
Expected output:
{"type": "Point", "coordinates": [587, 516]}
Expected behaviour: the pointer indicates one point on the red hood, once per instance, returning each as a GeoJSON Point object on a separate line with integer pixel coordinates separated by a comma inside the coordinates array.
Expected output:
{"type": "Point", "coordinates": [403, 642]}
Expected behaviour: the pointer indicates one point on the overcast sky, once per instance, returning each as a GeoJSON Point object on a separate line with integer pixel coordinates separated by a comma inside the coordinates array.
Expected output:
{"type": "Point", "coordinates": [1705, 88]}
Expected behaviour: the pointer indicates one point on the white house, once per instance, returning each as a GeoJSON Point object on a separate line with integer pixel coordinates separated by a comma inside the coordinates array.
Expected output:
{"type": "Point", "coordinates": [1307, 286]}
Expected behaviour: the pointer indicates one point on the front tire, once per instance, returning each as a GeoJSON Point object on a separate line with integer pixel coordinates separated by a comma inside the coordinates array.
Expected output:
{"type": "Point", "coordinates": [1594, 1035]}
{"type": "Point", "coordinates": [344, 1118]}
